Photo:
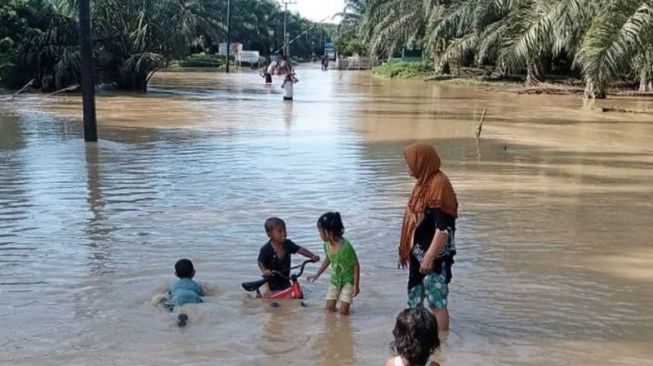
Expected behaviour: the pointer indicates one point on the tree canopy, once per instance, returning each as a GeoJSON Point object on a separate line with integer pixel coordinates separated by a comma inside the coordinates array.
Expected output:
{"type": "Point", "coordinates": [134, 38]}
{"type": "Point", "coordinates": [601, 39]}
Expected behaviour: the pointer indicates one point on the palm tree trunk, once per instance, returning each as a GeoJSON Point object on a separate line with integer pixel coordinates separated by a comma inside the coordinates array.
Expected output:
{"type": "Point", "coordinates": [137, 82]}
{"type": "Point", "coordinates": [141, 82]}
{"type": "Point", "coordinates": [594, 90]}
{"type": "Point", "coordinates": [446, 69]}
{"type": "Point", "coordinates": [534, 74]}
{"type": "Point", "coordinates": [643, 78]}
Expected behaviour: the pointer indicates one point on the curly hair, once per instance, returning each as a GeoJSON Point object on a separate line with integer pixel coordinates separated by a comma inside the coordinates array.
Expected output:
{"type": "Point", "coordinates": [332, 223]}
{"type": "Point", "coordinates": [416, 335]}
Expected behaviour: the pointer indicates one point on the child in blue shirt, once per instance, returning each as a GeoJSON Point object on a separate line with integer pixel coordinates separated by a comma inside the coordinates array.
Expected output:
{"type": "Point", "coordinates": [185, 290]}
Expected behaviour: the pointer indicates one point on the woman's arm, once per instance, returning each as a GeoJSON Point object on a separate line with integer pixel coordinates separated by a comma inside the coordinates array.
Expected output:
{"type": "Point", "coordinates": [437, 244]}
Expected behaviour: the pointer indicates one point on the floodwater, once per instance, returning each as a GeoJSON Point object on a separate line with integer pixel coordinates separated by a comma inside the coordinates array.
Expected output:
{"type": "Point", "coordinates": [555, 263]}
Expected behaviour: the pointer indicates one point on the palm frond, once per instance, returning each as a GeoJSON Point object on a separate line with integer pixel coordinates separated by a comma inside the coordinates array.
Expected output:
{"type": "Point", "coordinates": [611, 41]}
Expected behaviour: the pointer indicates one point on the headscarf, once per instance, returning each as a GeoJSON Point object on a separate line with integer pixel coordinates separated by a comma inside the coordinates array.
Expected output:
{"type": "Point", "coordinates": [432, 190]}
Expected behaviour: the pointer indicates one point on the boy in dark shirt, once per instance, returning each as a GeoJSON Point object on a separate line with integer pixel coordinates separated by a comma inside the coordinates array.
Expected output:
{"type": "Point", "coordinates": [274, 256]}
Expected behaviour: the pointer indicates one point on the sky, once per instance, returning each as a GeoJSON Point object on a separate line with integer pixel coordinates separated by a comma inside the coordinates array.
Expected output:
{"type": "Point", "coordinates": [316, 10]}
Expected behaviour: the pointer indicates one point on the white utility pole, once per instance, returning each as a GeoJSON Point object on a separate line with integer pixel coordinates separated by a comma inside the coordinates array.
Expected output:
{"type": "Point", "coordinates": [286, 44]}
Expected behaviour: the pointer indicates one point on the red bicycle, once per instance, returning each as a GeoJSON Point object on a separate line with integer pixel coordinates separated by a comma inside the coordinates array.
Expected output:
{"type": "Point", "coordinates": [292, 292]}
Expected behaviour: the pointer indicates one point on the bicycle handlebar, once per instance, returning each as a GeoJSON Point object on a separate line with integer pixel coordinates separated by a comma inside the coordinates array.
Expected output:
{"type": "Point", "coordinates": [254, 285]}
{"type": "Point", "coordinates": [295, 267]}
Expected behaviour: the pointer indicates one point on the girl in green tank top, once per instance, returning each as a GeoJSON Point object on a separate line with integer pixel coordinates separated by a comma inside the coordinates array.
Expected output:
{"type": "Point", "coordinates": [342, 258]}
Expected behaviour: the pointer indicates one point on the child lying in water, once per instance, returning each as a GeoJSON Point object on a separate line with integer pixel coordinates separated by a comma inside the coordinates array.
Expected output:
{"type": "Point", "coordinates": [185, 290]}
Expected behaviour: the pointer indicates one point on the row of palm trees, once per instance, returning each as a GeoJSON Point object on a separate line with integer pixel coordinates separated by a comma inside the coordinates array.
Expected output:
{"type": "Point", "coordinates": [602, 40]}
{"type": "Point", "coordinates": [132, 38]}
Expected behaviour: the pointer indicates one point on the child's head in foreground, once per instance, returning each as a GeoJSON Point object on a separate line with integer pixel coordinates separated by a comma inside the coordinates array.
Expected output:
{"type": "Point", "coordinates": [416, 335]}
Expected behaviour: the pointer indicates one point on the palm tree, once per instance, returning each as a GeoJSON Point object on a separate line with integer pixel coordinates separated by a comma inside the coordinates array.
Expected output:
{"type": "Point", "coordinates": [459, 29]}
{"type": "Point", "coordinates": [352, 13]}
{"type": "Point", "coordinates": [604, 38]}
{"type": "Point", "coordinates": [620, 35]}
{"type": "Point", "coordinates": [389, 24]}
{"type": "Point", "coordinates": [139, 37]}
{"type": "Point", "coordinates": [540, 31]}
{"type": "Point", "coordinates": [132, 38]}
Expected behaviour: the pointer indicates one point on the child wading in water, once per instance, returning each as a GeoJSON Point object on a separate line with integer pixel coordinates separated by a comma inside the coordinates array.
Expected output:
{"type": "Point", "coordinates": [274, 256]}
{"type": "Point", "coordinates": [416, 337]}
{"type": "Point", "coordinates": [266, 75]}
{"type": "Point", "coordinates": [341, 256]}
{"type": "Point", "coordinates": [287, 85]}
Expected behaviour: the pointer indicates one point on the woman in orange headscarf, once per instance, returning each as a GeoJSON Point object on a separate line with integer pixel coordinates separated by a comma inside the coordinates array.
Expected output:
{"type": "Point", "coordinates": [427, 234]}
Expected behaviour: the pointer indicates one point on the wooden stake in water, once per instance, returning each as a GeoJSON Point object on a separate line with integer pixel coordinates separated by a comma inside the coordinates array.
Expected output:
{"type": "Point", "coordinates": [23, 88]}
{"type": "Point", "coordinates": [480, 124]}
{"type": "Point", "coordinates": [66, 89]}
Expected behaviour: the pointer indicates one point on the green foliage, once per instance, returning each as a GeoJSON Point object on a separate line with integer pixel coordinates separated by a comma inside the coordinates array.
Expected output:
{"type": "Point", "coordinates": [201, 60]}
{"type": "Point", "coordinates": [7, 54]}
{"type": "Point", "coordinates": [135, 38]}
{"type": "Point", "coordinates": [40, 44]}
{"type": "Point", "coordinates": [620, 34]}
{"type": "Point", "coordinates": [346, 38]}
{"type": "Point", "coordinates": [403, 70]}
{"type": "Point", "coordinates": [602, 38]}
{"type": "Point", "coordinates": [348, 45]}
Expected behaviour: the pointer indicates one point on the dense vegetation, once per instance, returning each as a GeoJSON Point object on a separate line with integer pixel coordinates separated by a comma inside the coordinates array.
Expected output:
{"type": "Point", "coordinates": [402, 69]}
{"type": "Point", "coordinates": [599, 40]}
{"type": "Point", "coordinates": [135, 38]}
{"type": "Point", "coordinates": [347, 40]}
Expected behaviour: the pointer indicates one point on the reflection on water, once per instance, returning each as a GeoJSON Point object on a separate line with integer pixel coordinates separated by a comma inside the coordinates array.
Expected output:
{"type": "Point", "coordinates": [554, 235]}
{"type": "Point", "coordinates": [11, 136]}
{"type": "Point", "coordinates": [335, 345]}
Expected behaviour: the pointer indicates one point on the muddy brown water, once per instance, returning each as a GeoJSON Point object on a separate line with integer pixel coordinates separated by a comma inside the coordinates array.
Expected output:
{"type": "Point", "coordinates": [555, 263]}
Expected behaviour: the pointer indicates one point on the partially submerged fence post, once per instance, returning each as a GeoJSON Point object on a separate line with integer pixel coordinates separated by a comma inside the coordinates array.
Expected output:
{"type": "Point", "coordinates": [480, 124]}
{"type": "Point", "coordinates": [23, 88]}
{"type": "Point", "coordinates": [66, 89]}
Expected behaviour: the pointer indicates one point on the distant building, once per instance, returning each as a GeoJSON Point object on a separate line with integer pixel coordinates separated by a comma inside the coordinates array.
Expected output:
{"type": "Point", "coordinates": [251, 57]}
{"type": "Point", "coordinates": [234, 48]}
{"type": "Point", "coordinates": [330, 51]}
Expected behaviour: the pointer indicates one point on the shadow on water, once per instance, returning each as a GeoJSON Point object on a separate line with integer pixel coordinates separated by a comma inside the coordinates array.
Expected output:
{"type": "Point", "coordinates": [336, 343]}
{"type": "Point", "coordinates": [11, 132]}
